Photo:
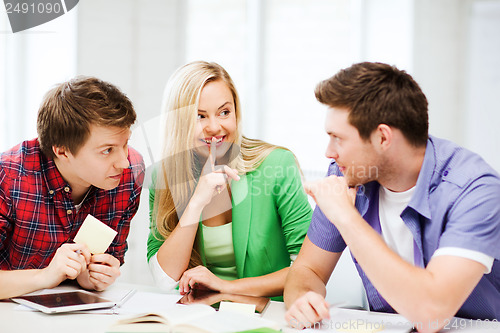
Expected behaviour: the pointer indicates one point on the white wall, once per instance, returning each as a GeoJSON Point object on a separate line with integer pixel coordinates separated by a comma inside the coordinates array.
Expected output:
{"type": "Point", "coordinates": [440, 48]}
{"type": "Point", "coordinates": [31, 62]}
{"type": "Point", "coordinates": [482, 83]}
{"type": "Point", "coordinates": [134, 44]}
{"type": "Point", "coordinates": [457, 64]}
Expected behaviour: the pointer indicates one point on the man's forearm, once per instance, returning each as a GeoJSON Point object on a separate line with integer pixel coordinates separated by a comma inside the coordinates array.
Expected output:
{"type": "Point", "coordinates": [423, 295]}
{"type": "Point", "coordinates": [299, 281]}
{"type": "Point", "coordinates": [310, 272]}
{"type": "Point", "coordinates": [19, 282]}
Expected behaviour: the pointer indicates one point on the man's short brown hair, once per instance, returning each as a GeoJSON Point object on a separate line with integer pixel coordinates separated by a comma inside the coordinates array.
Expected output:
{"type": "Point", "coordinates": [376, 93]}
{"type": "Point", "coordinates": [68, 110]}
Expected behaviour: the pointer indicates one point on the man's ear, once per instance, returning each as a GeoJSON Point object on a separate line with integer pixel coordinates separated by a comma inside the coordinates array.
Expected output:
{"type": "Point", "coordinates": [383, 136]}
{"type": "Point", "coordinates": [61, 153]}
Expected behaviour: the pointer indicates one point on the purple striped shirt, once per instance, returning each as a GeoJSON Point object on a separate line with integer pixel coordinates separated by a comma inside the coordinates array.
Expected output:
{"type": "Point", "coordinates": [456, 204]}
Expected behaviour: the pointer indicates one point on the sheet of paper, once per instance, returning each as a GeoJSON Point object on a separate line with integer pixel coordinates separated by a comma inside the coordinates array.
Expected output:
{"type": "Point", "coordinates": [356, 321]}
{"type": "Point", "coordinates": [246, 309]}
{"type": "Point", "coordinates": [143, 301]}
{"type": "Point", "coordinates": [225, 321]}
{"type": "Point", "coordinates": [355, 326]}
{"type": "Point", "coordinates": [95, 234]}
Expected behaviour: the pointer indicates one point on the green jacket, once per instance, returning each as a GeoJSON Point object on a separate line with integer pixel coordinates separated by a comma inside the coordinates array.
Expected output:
{"type": "Point", "coordinates": [271, 215]}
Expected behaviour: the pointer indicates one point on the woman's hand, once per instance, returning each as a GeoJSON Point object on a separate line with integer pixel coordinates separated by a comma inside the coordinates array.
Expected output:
{"type": "Point", "coordinates": [201, 277]}
{"type": "Point", "coordinates": [200, 296]}
{"type": "Point", "coordinates": [213, 179]}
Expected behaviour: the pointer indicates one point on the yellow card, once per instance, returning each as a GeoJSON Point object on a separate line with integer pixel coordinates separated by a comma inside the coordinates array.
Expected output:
{"type": "Point", "coordinates": [95, 234]}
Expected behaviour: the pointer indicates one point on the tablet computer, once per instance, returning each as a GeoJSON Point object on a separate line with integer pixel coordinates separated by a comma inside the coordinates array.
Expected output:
{"type": "Point", "coordinates": [64, 301]}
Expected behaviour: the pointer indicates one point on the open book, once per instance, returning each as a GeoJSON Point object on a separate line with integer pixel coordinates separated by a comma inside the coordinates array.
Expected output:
{"type": "Point", "coordinates": [191, 318]}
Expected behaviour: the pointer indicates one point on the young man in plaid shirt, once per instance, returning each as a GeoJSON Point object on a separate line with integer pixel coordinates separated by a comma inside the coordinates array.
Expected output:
{"type": "Point", "coordinates": [80, 164]}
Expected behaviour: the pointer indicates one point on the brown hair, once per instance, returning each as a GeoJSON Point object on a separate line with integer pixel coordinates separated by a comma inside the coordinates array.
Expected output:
{"type": "Point", "coordinates": [68, 110]}
{"type": "Point", "coordinates": [376, 93]}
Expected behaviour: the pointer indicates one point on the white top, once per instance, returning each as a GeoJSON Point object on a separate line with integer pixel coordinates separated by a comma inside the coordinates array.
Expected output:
{"type": "Point", "coordinates": [399, 237]}
{"type": "Point", "coordinates": [162, 280]}
{"type": "Point", "coordinates": [394, 231]}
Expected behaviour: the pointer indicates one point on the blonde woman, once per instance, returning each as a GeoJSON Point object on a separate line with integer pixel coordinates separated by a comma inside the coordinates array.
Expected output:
{"type": "Point", "coordinates": [227, 213]}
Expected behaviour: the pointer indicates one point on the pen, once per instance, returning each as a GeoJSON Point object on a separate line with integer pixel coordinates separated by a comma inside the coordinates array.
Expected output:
{"type": "Point", "coordinates": [126, 298]}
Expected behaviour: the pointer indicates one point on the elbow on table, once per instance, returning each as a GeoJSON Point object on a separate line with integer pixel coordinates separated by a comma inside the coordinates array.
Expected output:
{"type": "Point", "coordinates": [429, 317]}
{"type": "Point", "coordinates": [161, 279]}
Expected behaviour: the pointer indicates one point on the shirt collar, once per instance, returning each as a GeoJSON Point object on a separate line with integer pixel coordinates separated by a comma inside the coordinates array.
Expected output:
{"type": "Point", "coordinates": [53, 177]}
{"type": "Point", "coordinates": [420, 199]}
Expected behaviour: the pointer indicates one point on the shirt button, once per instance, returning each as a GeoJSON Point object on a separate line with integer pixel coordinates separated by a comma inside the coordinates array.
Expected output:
{"type": "Point", "coordinates": [66, 189]}
{"type": "Point", "coordinates": [51, 192]}
{"type": "Point", "coordinates": [69, 211]}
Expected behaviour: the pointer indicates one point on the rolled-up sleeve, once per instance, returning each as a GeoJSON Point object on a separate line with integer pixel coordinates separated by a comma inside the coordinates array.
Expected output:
{"type": "Point", "coordinates": [161, 279]}
{"type": "Point", "coordinates": [322, 232]}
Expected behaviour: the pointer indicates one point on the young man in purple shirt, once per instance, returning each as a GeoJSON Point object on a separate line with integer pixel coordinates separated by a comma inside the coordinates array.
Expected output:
{"type": "Point", "coordinates": [420, 215]}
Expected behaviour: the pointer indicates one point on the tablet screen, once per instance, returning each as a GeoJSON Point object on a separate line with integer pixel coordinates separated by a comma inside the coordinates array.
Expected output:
{"type": "Point", "coordinates": [214, 298]}
{"type": "Point", "coordinates": [66, 301]}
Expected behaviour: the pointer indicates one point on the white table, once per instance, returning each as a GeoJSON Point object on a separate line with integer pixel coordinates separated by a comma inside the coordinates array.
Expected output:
{"type": "Point", "coordinates": [13, 320]}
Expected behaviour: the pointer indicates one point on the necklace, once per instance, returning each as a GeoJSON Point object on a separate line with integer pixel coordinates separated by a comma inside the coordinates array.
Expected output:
{"type": "Point", "coordinates": [77, 207]}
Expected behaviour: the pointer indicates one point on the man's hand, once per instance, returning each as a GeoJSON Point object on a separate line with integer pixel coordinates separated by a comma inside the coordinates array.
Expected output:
{"type": "Point", "coordinates": [307, 310]}
{"type": "Point", "coordinates": [332, 195]}
{"type": "Point", "coordinates": [69, 262]}
{"type": "Point", "coordinates": [103, 270]}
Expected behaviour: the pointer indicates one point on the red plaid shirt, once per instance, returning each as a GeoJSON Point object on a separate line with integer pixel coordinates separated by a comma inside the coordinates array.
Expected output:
{"type": "Point", "coordinates": [37, 214]}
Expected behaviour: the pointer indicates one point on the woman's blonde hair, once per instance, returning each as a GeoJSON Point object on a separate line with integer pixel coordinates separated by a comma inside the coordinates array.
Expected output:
{"type": "Point", "coordinates": [180, 167]}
